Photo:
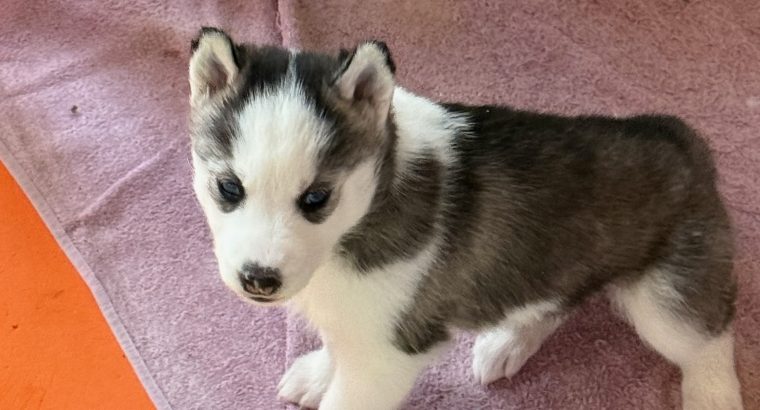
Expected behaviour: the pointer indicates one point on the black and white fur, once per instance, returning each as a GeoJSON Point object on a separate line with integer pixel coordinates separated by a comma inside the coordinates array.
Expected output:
{"type": "Point", "coordinates": [446, 216]}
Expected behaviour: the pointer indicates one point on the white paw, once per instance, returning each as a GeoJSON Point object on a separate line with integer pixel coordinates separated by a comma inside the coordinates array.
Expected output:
{"type": "Point", "coordinates": [712, 400]}
{"type": "Point", "coordinates": [717, 391]}
{"type": "Point", "coordinates": [307, 379]}
{"type": "Point", "coordinates": [501, 353]}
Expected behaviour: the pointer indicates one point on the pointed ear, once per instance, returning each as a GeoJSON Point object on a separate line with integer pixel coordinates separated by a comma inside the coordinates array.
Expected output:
{"type": "Point", "coordinates": [213, 66]}
{"type": "Point", "coordinates": [366, 78]}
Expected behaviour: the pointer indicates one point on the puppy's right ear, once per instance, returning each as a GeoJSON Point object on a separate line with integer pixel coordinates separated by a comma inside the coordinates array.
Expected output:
{"type": "Point", "coordinates": [213, 66]}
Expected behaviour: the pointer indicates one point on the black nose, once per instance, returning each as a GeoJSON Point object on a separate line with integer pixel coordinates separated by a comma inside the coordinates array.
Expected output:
{"type": "Point", "coordinates": [260, 281]}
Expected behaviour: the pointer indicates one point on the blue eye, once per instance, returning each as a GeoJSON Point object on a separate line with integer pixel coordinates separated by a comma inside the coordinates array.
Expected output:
{"type": "Point", "coordinates": [230, 190]}
{"type": "Point", "coordinates": [315, 198]}
{"type": "Point", "coordinates": [312, 201]}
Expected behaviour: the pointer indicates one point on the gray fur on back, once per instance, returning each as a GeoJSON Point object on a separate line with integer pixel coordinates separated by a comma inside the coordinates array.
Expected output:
{"type": "Point", "coordinates": [542, 207]}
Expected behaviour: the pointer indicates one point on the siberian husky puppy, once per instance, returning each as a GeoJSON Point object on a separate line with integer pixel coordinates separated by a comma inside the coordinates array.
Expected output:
{"type": "Point", "coordinates": [389, 221]}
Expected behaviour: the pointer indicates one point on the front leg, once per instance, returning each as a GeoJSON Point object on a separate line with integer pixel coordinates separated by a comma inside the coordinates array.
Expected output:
{"type": "Point", "coordinates": [307, 379]}
{"type": "Point", "coordinates": [373, 377]}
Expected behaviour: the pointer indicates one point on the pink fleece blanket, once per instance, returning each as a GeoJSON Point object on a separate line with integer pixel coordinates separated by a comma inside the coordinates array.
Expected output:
{"type": "Point", "coordinates": [92, 124]}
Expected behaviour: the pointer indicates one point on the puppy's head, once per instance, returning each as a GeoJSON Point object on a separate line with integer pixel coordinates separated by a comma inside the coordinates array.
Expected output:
{"type": "Point", "coordinates": [286, 152]}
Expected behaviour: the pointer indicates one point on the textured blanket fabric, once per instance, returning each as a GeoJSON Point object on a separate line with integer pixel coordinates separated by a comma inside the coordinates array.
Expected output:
{"type": "Point", "coordinates": [92, 123]}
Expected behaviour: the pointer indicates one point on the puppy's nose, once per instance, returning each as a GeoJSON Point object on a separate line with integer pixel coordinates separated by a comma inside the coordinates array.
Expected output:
{"type": "Point", "coordinates": [260, 281]}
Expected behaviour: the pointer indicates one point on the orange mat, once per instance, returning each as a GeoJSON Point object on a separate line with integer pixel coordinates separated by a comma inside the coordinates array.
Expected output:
{"type": "Point", "coordinates": [56, 350]}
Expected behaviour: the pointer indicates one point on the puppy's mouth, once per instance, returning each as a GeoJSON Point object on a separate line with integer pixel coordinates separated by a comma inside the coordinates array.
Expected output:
{"type": "Point", "coordinates": [262, 299]}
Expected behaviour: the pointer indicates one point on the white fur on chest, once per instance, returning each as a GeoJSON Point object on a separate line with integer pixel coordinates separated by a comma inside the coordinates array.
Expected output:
{"type": "Point", "coordinates": [348, 306]}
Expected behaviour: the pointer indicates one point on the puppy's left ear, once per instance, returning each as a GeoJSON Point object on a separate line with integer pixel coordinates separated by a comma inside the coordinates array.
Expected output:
{"type": "Point", "coordinates": [366, 79]}
{"type": "Point", "coordinates": [213, 66]}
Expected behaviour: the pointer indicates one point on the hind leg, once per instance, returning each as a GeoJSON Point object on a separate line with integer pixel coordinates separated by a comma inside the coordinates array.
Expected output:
{"type": "Point", "coordinates": [695, 337]}
{"type": "Point", "coordinates": [501, 351]}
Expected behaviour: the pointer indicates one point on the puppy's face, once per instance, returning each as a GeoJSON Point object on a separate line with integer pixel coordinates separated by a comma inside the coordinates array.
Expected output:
{"type": "Point", "coordinates": [286, 148]}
